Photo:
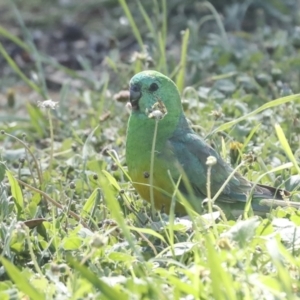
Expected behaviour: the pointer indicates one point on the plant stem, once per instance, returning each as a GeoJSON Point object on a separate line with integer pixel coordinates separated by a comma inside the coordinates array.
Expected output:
{"type": "Point", "coordinates": [52, 140]}
{"type": "Point", "coordinates": [33, 157]}
{"type": "Point", "coordinates": [208, 183]}
{"type": "Point", "coordinates": [152, 168]}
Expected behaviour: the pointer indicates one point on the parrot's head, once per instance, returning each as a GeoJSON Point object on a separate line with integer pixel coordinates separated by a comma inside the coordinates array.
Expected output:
{"type": "Point", "coordinates": [150, 89]}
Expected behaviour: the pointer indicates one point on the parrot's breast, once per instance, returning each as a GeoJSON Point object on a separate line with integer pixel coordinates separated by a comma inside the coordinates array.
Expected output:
{"type": "Point", "coordinates": [162, 185]}
{"type": "Point", "coordinates": [138, 157]}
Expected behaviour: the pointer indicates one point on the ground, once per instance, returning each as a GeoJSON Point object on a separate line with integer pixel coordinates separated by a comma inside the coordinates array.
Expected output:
{"type": "Point", "coordinates": [71, 224]}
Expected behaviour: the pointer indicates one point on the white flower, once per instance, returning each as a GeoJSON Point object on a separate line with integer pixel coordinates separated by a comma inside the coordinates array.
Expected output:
{"type": "Point", "coordinates": [156, 114]}
{"type": "Point", "coordinates": [47, 104]}
{"type": "Point", "coordinates": [211, 160]}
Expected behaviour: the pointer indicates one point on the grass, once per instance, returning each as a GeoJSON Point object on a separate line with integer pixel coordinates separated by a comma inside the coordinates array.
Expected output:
{"type": "Point", "coordinates": [71, 224]}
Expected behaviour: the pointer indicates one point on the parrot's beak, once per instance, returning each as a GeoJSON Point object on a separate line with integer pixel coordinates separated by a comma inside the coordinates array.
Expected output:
{"type": "Point", "coordinates": [135, 95]}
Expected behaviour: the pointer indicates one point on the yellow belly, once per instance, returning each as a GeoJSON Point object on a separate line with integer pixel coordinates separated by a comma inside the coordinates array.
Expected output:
{"type": "Point", "coordinates": [162, 186]}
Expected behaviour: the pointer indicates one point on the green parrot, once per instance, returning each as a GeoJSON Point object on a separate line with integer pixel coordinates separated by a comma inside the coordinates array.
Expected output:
{"type": "Point", "coordinates": [181, 154]}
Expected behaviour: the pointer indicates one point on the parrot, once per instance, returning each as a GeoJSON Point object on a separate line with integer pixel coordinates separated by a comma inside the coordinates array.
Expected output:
{"type": "Point", "coordinates": [179, 156]}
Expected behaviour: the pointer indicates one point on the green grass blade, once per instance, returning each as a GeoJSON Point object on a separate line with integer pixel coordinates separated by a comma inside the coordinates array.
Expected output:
{"type": "Point", "coordinates": [249, 137]}
{"type": "Point", "coordinates": [270, 104]}
{"type": "Point", "coordinates": [107, 291]}
{"type": "Point", "coordinates": [37, 119]}
{"type": "Point", "coordinates": [107, 183]}
{"type": "Point", "coordinates": [16, 193]}
{"type": "Point", "coordinates": [162, 49]}
{"type": "Point", "coordinates": [42, 57]}
{"type": "Point", "coordinates": [14, 66]}
{"type": "Point", "coordinates": [135, 29]}
{"type": "Point", "coordinates": [286, 147]}
{"type": "Point", "coordinates": [21, 281]}
{"type": "Point", "coordinates": [164, 22]}
{"type": "Point", "coordinates": [89, 203]}
{"type": "Point", "coordinates": [148, 231]}
{"type": "Point", "coordinates": [35, 53]}
{"type": "Point", "coordinates": [181, 75]}
{"type": "Point", "coordinates": [219, 23]}
{"type": "Point", "coordinates": [222, 284]}
{"type": "Point", "coordinates": [163, 36]}
{"type": "Point", "coordinates": [5, 33]}
{"type": "Point", "coordinates": [147, 20]}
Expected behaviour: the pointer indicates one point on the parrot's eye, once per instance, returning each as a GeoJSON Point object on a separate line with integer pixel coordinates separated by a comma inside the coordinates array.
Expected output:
{"type": "Point", "coordinates": [153, 87]}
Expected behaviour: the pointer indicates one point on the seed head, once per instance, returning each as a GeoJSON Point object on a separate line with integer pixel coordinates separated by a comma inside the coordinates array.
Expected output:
{"type": "Point", "coordinates": [211, 160]}
{"type": "Point", "coordinates": [47, 104]}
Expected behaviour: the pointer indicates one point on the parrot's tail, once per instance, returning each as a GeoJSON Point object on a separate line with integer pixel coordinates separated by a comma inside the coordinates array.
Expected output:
{"type": "Point", "coordinates": [271, 192]}
{"type": "Point", "coordinates": [274, 197]}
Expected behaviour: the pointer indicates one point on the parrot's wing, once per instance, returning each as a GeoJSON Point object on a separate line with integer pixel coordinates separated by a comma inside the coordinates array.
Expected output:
{"type": "Point", "coordinates": [192, 152]}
